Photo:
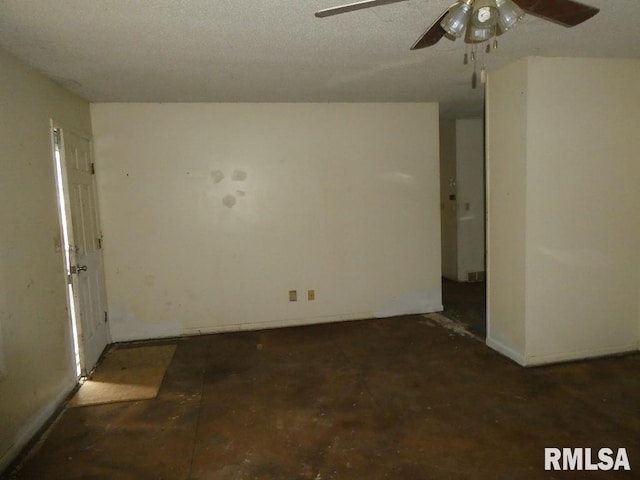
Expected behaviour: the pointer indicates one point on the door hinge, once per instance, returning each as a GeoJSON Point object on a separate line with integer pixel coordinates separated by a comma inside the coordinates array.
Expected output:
{"type": "Point", "coordinates": [106, 317]}
{"type": "Point", "coordinates": [93, 169]}
{"type": "Point", "coordinates": [99, 243]}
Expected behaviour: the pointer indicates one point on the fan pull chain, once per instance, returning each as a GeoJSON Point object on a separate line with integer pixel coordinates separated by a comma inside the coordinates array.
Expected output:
{"type": "Point", "coordinates": [465, 61]}
{"type": "Point", "coordinates": [483, 75]}
{"type": "Point", "coordinates": [474, 75]}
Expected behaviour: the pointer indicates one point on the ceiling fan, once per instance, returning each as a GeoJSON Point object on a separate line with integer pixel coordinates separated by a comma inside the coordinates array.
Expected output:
{"type": "Point", "coordinates": [482, 20]}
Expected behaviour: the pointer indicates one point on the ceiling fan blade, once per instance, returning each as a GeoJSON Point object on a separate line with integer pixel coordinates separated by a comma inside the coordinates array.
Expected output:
{"type": "Point", "coordinates": [433, 34]}
{"type": "Point", "coordinates": [563, 12]}
{"type": "Point", "coordinates": [350, 7]}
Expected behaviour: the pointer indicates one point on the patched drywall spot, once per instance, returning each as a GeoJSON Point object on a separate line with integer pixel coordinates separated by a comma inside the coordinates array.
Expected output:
{"type": "Point", "coordinates": [239, 176]}
{"type": "Point", "coordinates": [427, 300]}
{"type": "Point", "coordinates": [217, 176]}
{"type": "Point", "coordinates": [229, 201]}
{"type": "Point", "coordinates": [240, 193]}
{"type": "Point", "coordinates": [150, 280]}
{"type": "Point", "coordinates": [66, 83]}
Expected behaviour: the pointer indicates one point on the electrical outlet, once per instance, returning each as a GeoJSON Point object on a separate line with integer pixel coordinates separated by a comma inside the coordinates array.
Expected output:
{"type": "Point", "coordinates": [293, 296]}
{"type": "Point", "coordinates": [311, 295]}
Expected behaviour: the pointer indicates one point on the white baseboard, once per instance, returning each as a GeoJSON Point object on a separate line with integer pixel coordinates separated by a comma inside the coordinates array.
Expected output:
{"type": "Point", "coordinates": [153, 333]}
{"type": "Point", "coordinates": [537, 360]}
{"type": "Point", "coordinates": [507, 351]}
{"type": "Point", "coordinates": [35, 423]}
{"type": "Point", "coordinates": [296, 322]}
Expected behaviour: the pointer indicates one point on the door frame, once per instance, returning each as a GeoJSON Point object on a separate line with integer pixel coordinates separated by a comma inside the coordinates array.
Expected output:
{"type": "Point", "coordinates": [66, 240]}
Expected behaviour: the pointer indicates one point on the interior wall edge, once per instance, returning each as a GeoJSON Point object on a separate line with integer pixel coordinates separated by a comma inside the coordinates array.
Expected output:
{"type": "Point", "coordinates": [35, 424]}
{"type": "Point", "coordinates": [507, 351]}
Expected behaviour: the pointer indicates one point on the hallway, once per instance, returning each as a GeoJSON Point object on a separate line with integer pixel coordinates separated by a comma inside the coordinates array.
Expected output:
{"type": "Point", "coordinates": [466, 303]}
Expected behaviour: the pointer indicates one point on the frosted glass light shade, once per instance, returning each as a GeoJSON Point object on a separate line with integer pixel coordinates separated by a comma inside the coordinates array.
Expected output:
{"type": "Point", "coordinates": [456, 20]}
{"type": "Point", "coordinates": [510, 14]}
{"type": "Point", "coordinates": [485, 13]}
{"type": "Point", "coordinates": [479, 34]}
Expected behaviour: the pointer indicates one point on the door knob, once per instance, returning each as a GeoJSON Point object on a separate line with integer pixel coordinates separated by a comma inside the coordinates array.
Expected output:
{"type": "Point", "coordinates": [78, 268]}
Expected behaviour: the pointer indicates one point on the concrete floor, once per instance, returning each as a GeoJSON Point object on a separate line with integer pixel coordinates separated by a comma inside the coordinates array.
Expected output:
{"type": "Point", "coordinates": [400, 398]}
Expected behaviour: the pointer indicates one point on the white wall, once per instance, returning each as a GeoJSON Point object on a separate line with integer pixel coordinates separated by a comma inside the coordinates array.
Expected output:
{"type": "Point", "coordinates": [470, 198]}
{"type": "Point", "coordinates": [581, 229]}
{"type": "Point", "coordinates": [213, 212]}
{"type": "Point", "coordinates": [583, 207]}
{"type": "Point", "coordinates": [38, 361]}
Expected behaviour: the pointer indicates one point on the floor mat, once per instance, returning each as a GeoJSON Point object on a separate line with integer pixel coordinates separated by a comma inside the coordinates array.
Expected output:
{"type": "Point", "coordinates": [126, 374]}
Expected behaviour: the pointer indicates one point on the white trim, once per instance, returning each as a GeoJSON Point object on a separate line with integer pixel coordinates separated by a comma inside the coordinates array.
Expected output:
{"type": "Point", "coordinates": [507, 351]}
{"type": "Point", "coordinates": [294, 322]}
{"type": "Point", "coordinates": [580, 354]}
{"type": "Point", "coordinates": [414, 311]}
{"type": "Point", "coordinates": [35, 423]}
{"type": "Point", "coordinates": [169, 332]}
{"type": "Point", "coordinates": [239, 327]}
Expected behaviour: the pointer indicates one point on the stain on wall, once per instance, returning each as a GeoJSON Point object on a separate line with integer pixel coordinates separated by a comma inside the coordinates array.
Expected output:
{"type": "Point", "coordinates": [229, 201]}
{"type": "Point", "coordinates": [239, 176]}
{"type": "Point", "coordinates": [268, 206]}
{"type": "Point", "coordinates": [217, 176]}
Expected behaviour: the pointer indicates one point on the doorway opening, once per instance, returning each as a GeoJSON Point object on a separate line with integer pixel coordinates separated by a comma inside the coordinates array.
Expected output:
{"type": "Point", "coordinates": [65, 228]}
{"type": "Point", "coordinates": [463, 222]}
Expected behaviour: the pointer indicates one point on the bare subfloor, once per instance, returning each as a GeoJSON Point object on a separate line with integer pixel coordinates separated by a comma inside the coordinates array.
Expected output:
{"type": "Point", "coordinates": [466, 303]}
{"type": "Point", "coordinates": [400, 398]}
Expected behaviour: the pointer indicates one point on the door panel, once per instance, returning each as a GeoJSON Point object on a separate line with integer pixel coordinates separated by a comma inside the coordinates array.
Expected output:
{"type": "Point", "coordinates": [86, 256]}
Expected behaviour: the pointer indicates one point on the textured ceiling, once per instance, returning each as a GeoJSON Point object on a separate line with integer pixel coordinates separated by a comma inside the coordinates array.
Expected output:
{"type": "Point", "coordinates": [277, 51]}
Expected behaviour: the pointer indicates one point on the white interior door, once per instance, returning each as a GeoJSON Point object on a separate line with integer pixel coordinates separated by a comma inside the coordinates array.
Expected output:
{"type": "Point", "coordinates": [85, 257]}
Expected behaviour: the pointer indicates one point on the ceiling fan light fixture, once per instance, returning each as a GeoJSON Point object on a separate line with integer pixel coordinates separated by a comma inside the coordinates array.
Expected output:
{"type": "Point", "coordinates": [479, 34]}
{"type": "Point", "coordinates": [485, 13]}
{"type": "Point", "coordinates": [510, 14]}
{"type": "Point", "coordinates": [455, 22]}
